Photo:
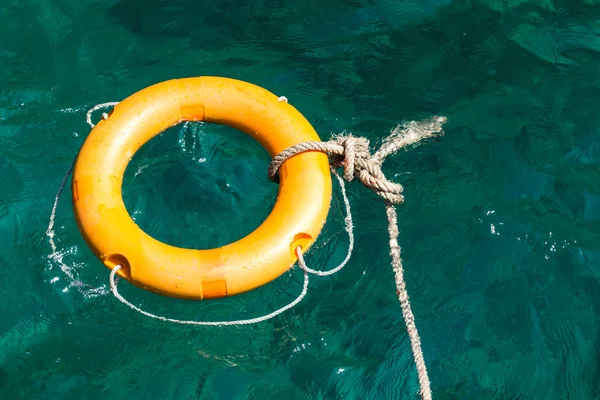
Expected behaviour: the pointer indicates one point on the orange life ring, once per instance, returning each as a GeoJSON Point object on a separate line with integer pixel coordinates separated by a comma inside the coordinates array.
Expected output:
{"type": "Point", "coordinates": [296, 220]}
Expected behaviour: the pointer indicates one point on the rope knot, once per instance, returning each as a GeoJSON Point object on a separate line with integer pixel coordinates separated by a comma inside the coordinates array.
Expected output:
{"type": "Point", "coordinates": [353, 154]}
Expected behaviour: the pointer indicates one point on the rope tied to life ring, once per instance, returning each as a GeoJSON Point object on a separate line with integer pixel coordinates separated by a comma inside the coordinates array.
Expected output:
{"type": "Point", "coordinates": [352, 154]}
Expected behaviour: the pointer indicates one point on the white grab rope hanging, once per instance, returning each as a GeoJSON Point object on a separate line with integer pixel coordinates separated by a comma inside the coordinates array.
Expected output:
{"type": "Point", "coordinates": [301, 263]}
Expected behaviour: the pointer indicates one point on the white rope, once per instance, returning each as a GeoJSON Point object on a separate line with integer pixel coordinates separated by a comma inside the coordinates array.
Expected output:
{"type": "Point", "coordinates": [50, 230]}
{"type": "Point", "coordinates": [88, 117]}
{"type": "Point", "coordinates": [349, 227]}
{"type": "Point", "coordinates": [113, 288]}
{"type": "Point", "coordinates": [51, 234]}
{"type": "Point", "coordinates": [301, 263]}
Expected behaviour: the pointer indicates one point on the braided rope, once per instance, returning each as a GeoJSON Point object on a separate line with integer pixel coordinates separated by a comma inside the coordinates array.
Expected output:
{"type": "Point", "coordinates": [301, 262]}
{"type": "Point", "coordinates": [88, 117]}
{"type": "Point", "coordinates": [352, 153]}
{"type": "Point", "coordinates": [113, 288]}
{"type": "Point", "coordinates": [51, 234]}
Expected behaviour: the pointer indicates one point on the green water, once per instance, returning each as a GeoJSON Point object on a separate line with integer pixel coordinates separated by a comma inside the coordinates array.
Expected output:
{"type": "Point", "coordinates": [500, 229]}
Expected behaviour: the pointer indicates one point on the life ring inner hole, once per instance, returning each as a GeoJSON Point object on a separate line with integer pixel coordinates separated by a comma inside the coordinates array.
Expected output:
{"type": "Point", "coordinates": [199, 186]}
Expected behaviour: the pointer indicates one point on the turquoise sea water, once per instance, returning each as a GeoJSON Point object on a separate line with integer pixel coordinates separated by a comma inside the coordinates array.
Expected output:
{"type": "Point", "coordinates": [500, 229]}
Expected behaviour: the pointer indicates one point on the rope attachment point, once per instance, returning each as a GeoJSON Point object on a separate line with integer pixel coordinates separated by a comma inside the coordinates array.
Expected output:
{"type": "Point", "coordinates": [88, 117]}
{"type": "Point", "coordinates": [353, 155]}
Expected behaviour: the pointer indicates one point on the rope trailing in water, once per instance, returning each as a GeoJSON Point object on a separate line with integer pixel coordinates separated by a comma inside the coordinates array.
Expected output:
{"type": "Point", "coordinates": [352, 153]}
